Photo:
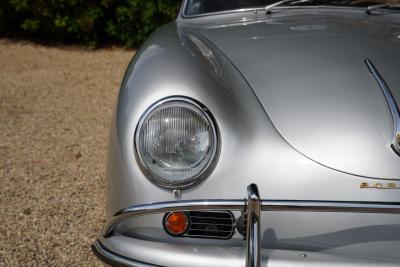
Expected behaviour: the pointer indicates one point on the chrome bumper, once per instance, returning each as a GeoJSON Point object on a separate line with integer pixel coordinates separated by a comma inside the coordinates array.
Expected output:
{"type": "Point", "coordinates": [115, 260]}
{"type": "Point", "coordinates": [252, 206]}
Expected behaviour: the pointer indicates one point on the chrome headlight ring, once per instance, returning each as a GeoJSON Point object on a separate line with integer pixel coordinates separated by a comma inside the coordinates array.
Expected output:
{"type": "Point", "coordinates": [177, 143]}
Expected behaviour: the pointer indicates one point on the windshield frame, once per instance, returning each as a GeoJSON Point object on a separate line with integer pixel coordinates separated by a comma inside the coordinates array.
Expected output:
{"type": "Point", "coordinates": [259, 8]}
{"type": "Point", "coordinates": [185, 3]}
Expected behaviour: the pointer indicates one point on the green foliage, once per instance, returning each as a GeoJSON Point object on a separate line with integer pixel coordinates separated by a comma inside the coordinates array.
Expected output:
{"type": "Point", "coordinates": [89, 22]}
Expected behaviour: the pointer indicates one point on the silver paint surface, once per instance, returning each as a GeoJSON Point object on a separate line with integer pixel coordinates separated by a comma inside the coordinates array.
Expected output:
{"type": "Point", "coordinates": [219, 256]}
{"type": "Point", "coordinates": [299, 115]}
{"type": "Point", "coordinates": [308, 71]}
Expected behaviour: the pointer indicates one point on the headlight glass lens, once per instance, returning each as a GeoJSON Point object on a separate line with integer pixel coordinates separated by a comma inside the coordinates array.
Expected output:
{"type": "Point", "coordinates": [176, 142]}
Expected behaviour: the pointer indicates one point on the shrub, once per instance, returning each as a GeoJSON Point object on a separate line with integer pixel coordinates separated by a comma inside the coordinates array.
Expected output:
{"type": "Point", "coordinates": [89, 22]}
{"type": "Point", "coordinates": [134, 20]}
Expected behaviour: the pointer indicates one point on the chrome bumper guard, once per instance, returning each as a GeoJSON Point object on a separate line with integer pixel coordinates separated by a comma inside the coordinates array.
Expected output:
{"type": "Point", "coordinates": [252, 206]}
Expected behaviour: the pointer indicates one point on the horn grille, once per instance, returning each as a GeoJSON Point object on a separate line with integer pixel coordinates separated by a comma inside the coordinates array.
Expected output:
{"type": "Point", "coordinates": [210, 224]}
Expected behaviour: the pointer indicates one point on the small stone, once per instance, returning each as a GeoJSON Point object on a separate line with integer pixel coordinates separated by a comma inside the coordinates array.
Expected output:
{"type": "Point", "coordinates": [27, 211]}
{"type": "Point", "coordinates": [78, 155]}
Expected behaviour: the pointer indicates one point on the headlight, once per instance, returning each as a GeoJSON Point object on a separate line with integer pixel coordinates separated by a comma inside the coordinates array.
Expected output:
{"type": "Point", "coordinates": [176, 142]}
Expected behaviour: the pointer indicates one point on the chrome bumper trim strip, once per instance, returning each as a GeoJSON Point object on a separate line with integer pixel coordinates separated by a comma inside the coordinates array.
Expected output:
{"type": "Point", "coordinates": [239, 205]}
{"type": "Point", "coordinates": [171, 206]}
{"type": "Point", "coordinates": [115, 260]}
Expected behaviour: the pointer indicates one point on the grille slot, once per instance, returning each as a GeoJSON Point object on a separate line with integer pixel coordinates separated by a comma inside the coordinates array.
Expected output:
{"type": "Point", "coordinates": [211, 224]}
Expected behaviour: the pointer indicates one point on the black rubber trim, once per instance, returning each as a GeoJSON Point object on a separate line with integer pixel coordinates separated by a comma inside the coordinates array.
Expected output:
{"type": "Point", "coordinates": [115, 262]}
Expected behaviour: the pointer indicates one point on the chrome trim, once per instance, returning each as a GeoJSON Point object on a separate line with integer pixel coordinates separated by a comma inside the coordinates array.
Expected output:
{"type": "Point", "coordinates": [394, 109]}
{"type": "Point", "coordinates": [253, 240]}
{"type": "Point", "coordinates": [239, 205]}
{"type": "Point", "coordinates": [113, 259]}
{"type": "Point", "coordinates": [331, 206]}
{"type": "Point", "coordinates": [171, 206]}
{"type": "Point", "coordinates": [268, 9]}
{"type": "Point", "coordinates": [373, 7]}
{"type": "Point", "coordinates": [183, 14]}
{"type": "Point", "coordinates": [250, 9]}
{"type": "Point", "coordinates": [200, 177]}
{"type": "Point", "coordinates": [231, 224]}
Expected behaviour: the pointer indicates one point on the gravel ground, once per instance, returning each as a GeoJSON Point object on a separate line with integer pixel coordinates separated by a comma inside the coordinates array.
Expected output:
{"type": "Point", "coordinates": [55, 112]}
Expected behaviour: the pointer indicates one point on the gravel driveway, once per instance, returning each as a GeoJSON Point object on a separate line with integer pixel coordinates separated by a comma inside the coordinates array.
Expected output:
{"type": "Point", "coordinates": [55, 111]}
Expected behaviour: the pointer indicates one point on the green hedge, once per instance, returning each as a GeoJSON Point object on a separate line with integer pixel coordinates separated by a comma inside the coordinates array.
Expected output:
{"type": "Point", "coordinates": [89, 22]}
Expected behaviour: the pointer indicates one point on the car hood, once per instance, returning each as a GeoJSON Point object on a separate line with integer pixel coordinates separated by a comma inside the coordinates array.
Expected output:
{"type": "Point", "coordinates": [308, 71]}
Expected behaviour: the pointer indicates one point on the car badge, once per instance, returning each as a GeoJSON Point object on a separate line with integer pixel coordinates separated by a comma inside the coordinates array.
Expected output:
{"type": "Point", "coordinates": [380, 185]}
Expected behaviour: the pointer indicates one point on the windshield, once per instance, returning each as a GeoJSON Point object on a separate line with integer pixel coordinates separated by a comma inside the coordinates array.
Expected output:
{"type": "Point", "coordinates": [199, 7]}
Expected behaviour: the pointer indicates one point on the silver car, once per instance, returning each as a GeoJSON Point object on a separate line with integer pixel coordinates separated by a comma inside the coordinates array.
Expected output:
{"type": "Point", "coordinates": [259, 133]}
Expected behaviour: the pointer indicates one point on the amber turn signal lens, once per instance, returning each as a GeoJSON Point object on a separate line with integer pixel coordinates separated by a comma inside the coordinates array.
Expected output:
{"type": "Point", "coordinates": [176, 223]}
